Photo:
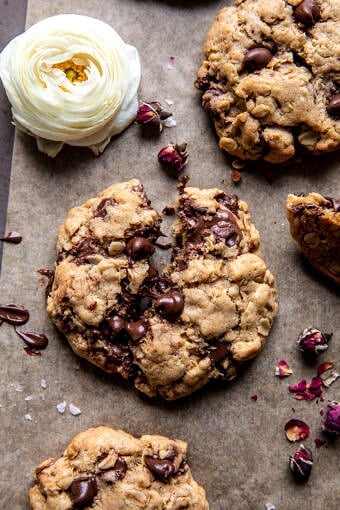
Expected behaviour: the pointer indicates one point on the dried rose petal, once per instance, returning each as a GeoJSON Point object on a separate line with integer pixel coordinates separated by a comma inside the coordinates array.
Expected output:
{"type": "Point", "coordinates": [283, 369]}
{"type": "Point", "coordinates": [310, 391]}
{"type": "Point", "coordinates": [254, 397]}
{"type": "Point", "coordinates": [331, 423]}
{"type": "Point", "coordinates": [173, 157]}
{"type": "Point", "coordinates": [296, 430]}
{"type": "Point", "coordinates": [319, 442]}
{"type": "Point", "coordinates": [313, 341]}
{"type": "Point", "coordinates": [326, 365]}
{"type": "Point", "coordinates": [301, 463]}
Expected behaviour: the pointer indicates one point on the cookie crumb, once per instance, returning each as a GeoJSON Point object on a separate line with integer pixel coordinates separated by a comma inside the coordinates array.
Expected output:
{"type": "Point", "coordinates": [236, 176]}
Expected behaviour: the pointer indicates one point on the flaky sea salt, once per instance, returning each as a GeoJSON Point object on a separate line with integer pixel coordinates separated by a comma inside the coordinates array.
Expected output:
{"type": "Point", "coordinates": [28, 398]}
{"type": "Point", "coordinates": [169, 122]}
{"type": "Point", "coordinates": [61, 407]}
{"type": "Point", "coordinates": [43, 384]}
{"type": "Point", "coordinates": [28, 417]}
{"type": "Point", "coordinates": [270, 506]}
{"type": "Point", "coordinates": [75, 411]}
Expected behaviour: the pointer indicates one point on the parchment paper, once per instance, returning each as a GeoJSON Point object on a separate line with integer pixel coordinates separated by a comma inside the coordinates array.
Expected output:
{"type": "Point", "coordinates": [237, 446]}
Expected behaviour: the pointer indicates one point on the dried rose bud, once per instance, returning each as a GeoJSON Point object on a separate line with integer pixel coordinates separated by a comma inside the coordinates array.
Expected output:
{"type": "Point", "coordinates": [331, 423]}
{"type": "Point", "coordinates": [313, 341]}
{"type": "Point", "coordinates": [301, 463]}
{"type": "Point", "coordinates": [296, 430]}
{"type": "Point", "coordinates": [151, 114]}
{"type": "Point", "coordinates": [173, 157]}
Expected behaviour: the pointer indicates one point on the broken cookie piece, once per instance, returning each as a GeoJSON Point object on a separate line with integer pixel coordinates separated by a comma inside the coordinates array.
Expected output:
{"type": "Point", "coordinates": [314, 222]}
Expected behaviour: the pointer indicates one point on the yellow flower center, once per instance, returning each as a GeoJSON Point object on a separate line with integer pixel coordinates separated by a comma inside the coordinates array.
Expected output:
{"type": "Point", "coordinates": [75, 73]}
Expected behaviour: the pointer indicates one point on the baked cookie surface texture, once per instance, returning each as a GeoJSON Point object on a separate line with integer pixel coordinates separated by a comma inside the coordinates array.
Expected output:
{"type": "Point", "coordinates": [314, 222]}
{"type": "Point", "coordinates": [109, 469]}
{"type": "Point", "coordinates": [270, 78]}
{"type": "Point", "coordinates": [209, 310]}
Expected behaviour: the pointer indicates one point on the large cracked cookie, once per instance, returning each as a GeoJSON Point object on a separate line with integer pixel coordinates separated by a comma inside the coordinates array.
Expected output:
{"type": "Point", "coordinates": [170, 333]}
{"type": "Point", "coordinates": [109, 469]}
{"type": "Point", "coordinates": [314, 223]}
{"type": "Point", "coordinates": [270, 78]}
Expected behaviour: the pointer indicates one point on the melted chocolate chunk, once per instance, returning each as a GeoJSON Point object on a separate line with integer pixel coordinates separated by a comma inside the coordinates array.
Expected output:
{"type": "Point", "coordinates": [308, 12]}
{"type": "Point", "coordinates": [162, 469]}
{"type": "Point", "coordinates": [335, 203]}
{"type": "Point", "coordinates": [136, 330]}
{"type": "Point", "coordinates": [120, 468]}
{"type": "Point", "coordinates": [168, 210]}
{"type": "Point", "coordinates": [218, 352]}
{"type": "Point", "coordinates": [223, 226]}
{"type": "Point", "coordinates": [257, 58]}
{"type": "Point", "coordinates": [139, 248]}
{"type": "Point", "coordinates": [170, 306]}
{"type": "Point", "coordinates": [101, 210]}
{"type": "Point", "coordinates": [13, 314]}
{"type": "Point", "coordinates": [83, 491]}
{"type": "Point", "coordinates": [333, 107]}
{"type": "Point", "coordinates": [12, 237]}
{"type": "Point", "coordinates": [34, 341]}
{"type": "Point", "coordinates": [83, 249]}
{"type": "Point", "coordinates": [229, 201]}
{"type": "Point", "coordinates": [141, 192]}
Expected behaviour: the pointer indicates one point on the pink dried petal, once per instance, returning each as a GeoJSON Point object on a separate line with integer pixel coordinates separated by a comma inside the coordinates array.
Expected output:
{"type": "Point", "coordinates": [296, 430]}
{"type": "Point", "coordinates": [319, 442]}
{"type": "Point", "coordinates": [326, 365]}
{"type": "Point", "coordinates": [310, 391]}
{"type": "Point", "coordinates": [254, 397]}
{"type": "Point", "coordinates": [283, 369]}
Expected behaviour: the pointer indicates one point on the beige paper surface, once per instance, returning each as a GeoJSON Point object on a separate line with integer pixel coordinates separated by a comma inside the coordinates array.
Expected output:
{"type": "Point", "coordinates": [238, 451]}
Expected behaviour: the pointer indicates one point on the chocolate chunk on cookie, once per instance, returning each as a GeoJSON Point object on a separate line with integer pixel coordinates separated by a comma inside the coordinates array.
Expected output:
{"type": "Point", "coordinates": [211, 309]}
{"type": "Point", "coordinates": [270, 78]}
{"type": "Point", "coordinates": [315, 225]}
{"type": "Point", "coordinates": [105, 469]}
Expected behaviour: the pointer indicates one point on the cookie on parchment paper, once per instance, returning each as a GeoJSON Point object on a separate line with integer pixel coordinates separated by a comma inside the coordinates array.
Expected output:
{"type": "Point", "coordinates": [107, 469]}
{"type": "Point", "coordinates": [270, 78]}
{"type": "Point", "coordinates": [210, 310]}
{"type": "Point", "coordinates": [314, 222]}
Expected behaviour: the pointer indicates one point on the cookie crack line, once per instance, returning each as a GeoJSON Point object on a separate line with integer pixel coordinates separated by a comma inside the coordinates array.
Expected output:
{"type": "Point", "coordinates": [265, 104]}
{"type": "Point", "coordinates": [168, 333]}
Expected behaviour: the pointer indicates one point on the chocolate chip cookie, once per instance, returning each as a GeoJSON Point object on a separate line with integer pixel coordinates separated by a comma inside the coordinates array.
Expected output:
{"type": "Point", "coordinates": [315, 225]}
{"type": "Point", "coordinates": [270, 78]}
{"type": "Point", "coordinates": [211, 309]}
{"type": "Point", "coordinates": [104, 469]}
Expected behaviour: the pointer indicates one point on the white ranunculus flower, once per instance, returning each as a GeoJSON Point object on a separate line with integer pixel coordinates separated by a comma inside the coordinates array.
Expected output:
{"type": "Point", "coordinates": [71, 79]}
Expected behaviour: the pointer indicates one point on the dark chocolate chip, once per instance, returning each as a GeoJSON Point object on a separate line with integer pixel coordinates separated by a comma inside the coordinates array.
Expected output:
{"type": "Point", "coordinates": [136, 330]}
{"type": "Point", "coordinates": [83, 249]}
{"type": "Point", "coordinates": [12, 237]}
{"type": "Point", "coordinates": [170, 305]}
{"type": "Point", "coordinates": [218, 352]}
{"type": "Point", "coordinates": [34, 341]}
{"type": "Point", "coordinates": [116, 325]}
{"type": "Point", "coordinates": [161, 468]}
{"type": "Point", "coordinates": [333, 107]}
{"type": "Point", "coordinates": [83, 491]}
{"type": "Point", "coordinates": [139, 248]}
{"type": "Point", "coordinates": [257, 58]}
{"type": "Point", "coordinates": [308, 12]}
{"type": "Point", "coordinates": [14, 314]}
